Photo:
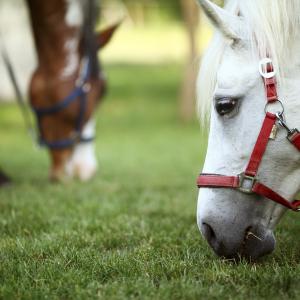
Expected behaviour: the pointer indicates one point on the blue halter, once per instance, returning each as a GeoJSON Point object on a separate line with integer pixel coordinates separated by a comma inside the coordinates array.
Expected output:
{"type": "Point", "coordinates": [79, 93]}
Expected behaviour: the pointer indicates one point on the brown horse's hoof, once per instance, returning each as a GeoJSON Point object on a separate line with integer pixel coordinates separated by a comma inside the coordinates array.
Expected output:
{"type": "Point", "coordinates": [4, 179]}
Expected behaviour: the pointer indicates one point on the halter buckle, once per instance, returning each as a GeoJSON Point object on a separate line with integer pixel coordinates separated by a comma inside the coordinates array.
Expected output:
{"type": "Point", "coordinates": [263, 68]}
{"type": "Point", "coordinates": [246, 183]}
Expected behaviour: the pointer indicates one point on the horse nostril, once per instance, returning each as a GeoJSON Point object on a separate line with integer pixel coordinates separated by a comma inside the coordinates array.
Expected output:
{"type": "Point", "coordinates": [250, 233]}
{"type": "Point", "coordinates": [208, 233]}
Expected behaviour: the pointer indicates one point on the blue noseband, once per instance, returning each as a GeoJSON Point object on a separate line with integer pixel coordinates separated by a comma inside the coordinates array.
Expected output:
{"type": "Point", "coordinates": [79, 93]}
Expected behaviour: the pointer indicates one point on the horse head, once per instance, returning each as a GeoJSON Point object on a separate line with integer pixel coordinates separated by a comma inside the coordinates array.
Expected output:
{"type": "Point", "coordinates": [238, 219]}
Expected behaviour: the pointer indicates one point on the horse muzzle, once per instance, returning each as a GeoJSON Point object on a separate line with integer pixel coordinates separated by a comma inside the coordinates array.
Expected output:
{"type": "Point", "coordinates": [234, 241]}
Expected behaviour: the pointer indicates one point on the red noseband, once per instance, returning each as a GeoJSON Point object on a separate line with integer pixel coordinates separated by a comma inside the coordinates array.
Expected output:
{"type": "Point", "coordinates": [247, 182]}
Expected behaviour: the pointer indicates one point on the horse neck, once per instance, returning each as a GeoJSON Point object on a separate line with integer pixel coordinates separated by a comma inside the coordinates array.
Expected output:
{"type": "Point", "coordinates": [57, 43]}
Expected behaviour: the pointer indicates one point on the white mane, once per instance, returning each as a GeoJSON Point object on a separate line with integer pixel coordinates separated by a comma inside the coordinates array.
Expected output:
{"type": "Point", "coordinates": [273, 27]}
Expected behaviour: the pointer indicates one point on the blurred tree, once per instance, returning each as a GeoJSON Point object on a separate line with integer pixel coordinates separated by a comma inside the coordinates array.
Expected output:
{"type": "Point", "coordinates": [187, 12]}
{"type": "Point", "coordinates": [190, 13]}
{"type": "Point", "coordinates": [191, 18]}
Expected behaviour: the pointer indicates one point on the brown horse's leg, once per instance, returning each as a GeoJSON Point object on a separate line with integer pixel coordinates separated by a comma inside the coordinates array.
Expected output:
{"type": "Point", "coordinates": [4, 179]}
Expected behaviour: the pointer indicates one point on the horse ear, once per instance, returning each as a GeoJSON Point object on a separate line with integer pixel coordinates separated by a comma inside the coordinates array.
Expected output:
{"type": "Point", "coordinates": [103, 37]}
{"type": "Point", "coordinates": [227, 23]}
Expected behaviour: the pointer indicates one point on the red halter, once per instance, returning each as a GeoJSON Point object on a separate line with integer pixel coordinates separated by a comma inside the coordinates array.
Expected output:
{"type": "Point", "coordinates": [247, 182]}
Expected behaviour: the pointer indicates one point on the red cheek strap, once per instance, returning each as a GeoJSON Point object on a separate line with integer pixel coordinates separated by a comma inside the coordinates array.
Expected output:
{"type": "Point", "coordinates": [270, 86]}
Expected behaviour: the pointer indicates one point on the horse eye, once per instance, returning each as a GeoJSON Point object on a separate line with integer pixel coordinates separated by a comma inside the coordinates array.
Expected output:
{"type": "Point", "coordinates": [225, 105]}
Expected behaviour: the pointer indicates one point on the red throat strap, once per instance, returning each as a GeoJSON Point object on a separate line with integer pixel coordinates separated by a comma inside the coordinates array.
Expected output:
{"type": "Point", "coordinates": [294, 138]}
{"type": "Point", "coordinates": [261, 145]}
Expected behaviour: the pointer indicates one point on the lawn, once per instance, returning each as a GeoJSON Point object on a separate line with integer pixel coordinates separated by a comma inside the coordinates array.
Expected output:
{"type": "Point", "coordinates": [131, 232]}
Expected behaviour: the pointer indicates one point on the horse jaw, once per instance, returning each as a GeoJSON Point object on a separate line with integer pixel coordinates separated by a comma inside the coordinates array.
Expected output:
{"type": "Point", "coordinates": [83, 163]}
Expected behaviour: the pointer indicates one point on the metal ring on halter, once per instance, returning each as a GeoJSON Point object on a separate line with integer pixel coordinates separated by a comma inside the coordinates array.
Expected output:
{"type": "Point", "coordinates": [280, 112]}
{"type": "Point", "coordinates": [263, 70]}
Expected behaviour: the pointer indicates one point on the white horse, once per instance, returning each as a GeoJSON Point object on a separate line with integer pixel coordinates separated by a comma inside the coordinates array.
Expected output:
{"type": "Point", "coordinates": [230, 84]}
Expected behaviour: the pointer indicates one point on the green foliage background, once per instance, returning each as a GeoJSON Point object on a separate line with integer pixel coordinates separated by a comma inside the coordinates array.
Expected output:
{"type": "Point", "coordinates": [130, 233]}
{"type": "Point", "coordinates": [170, 9]}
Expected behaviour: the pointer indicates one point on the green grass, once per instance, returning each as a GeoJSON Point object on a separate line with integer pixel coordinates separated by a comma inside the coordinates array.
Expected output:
{"type": "Point", "coordinates": [131, 232]}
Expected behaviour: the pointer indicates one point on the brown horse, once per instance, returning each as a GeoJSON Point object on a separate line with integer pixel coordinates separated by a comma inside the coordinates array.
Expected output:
{"type": "Point", "coordinates": [67, 83]}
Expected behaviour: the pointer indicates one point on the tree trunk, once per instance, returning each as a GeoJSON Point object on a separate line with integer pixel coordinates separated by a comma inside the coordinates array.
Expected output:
{"type": "Point", "coordinates": [190, 11]}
